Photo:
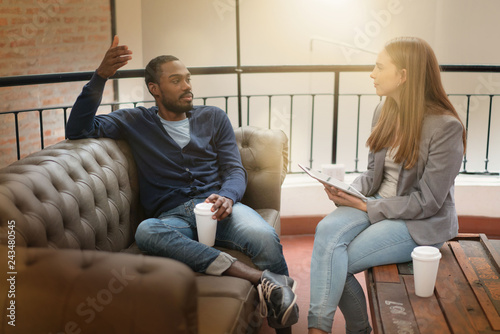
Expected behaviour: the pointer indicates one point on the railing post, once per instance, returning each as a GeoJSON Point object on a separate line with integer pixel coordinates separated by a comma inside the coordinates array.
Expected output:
{"type": "Point", "coordinates": [65, 113]}
{"type": "Point", "coordinates": [18, 143]}
{"type": "Point", "coordinates": [336, 92]}
{"type": "Point", "coordinates": [248, 110]}
{"type": "Point", "coordinates": [291, 136]}
{"type": "Point", "coordinates": [356, 158]}
{"type": "Point", "coordinates": [488, 137]}
{"type": "Point", "coordinates": [40, 117]}
{"type": "Point", "coordinates": [238, 61]}
{"type": "Point", "coordinates": [269, 112]}
{"type": "Point", "coordinates": [312, 132]}
{"type": "Point", "coordinates": [466, 131]}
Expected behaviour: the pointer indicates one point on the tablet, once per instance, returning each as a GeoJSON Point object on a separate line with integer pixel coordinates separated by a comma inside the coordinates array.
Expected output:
{"type": "Point", "coordinates": [323, 178]}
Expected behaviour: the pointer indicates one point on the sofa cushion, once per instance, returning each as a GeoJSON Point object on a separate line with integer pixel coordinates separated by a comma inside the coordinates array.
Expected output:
{"type": "Point", "coordinates": [74, 291]}
{"type": "Point", "coordinates": [226, 305]}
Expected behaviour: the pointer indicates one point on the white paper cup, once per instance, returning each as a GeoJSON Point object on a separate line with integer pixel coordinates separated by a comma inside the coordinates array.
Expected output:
{"type": "Point", "coordinates": [205, 225]}
{"type": "Point", "coordinates": [425, 269]}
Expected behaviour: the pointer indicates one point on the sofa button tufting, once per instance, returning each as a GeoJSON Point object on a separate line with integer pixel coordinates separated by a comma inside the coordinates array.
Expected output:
{"type": "Point", "coordinates": [85, 265]}
{"type": "Point", "coordinates": [31, 261]}
{"type": "Point", "coordinates": [143, 271]}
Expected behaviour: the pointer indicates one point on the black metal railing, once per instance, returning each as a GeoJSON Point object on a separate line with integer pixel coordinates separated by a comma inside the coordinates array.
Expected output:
{"type": "Point", "coordinates": [242, 99]}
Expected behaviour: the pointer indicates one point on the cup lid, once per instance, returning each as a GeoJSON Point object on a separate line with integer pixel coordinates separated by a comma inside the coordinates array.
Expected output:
{"type": "Point", "coordinates": [204, 208]}
{"type": "Point", "coordinates": [426, 252]}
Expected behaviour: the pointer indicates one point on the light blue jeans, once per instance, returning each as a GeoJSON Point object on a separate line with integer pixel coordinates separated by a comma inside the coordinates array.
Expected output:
{"type": "Point", "coordinates": [173, 234]}
{"type": "Point", "coordinates": [346, 244]}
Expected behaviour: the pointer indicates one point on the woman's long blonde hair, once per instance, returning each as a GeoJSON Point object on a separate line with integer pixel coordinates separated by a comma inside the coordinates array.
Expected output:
{"type": "Point", "coordinates": [422, 93]}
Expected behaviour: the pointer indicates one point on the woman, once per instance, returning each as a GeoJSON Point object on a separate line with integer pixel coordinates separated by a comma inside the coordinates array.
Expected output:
{"type": "Point", "coordinates": [416, 148]}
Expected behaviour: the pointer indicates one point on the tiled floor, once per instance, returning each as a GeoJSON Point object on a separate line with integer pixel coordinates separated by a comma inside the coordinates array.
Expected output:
{"type": "Point", "coordinates": [298, 250]}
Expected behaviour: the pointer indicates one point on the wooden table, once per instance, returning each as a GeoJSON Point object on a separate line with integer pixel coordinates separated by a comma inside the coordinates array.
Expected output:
{"type": "Point", "coordinates": [466, 298]}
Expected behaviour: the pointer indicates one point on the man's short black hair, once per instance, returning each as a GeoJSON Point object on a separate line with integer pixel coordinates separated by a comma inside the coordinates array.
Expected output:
{"type": "Point", "coordinates": [153, 69]}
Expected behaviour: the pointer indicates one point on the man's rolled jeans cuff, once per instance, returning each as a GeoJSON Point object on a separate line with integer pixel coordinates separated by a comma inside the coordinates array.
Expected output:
{"type": "Point", "coordinates": [221, 263]}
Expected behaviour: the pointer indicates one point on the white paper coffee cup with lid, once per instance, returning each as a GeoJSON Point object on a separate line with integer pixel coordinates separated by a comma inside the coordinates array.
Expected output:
{"type": "Point", "coordinates": [425, 269]}
{"type": "Point", "coordinates": [205, 225]}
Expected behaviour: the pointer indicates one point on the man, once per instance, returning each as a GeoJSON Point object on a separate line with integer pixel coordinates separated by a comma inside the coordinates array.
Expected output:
{"type": "Point", "coordinates": [186, 155]}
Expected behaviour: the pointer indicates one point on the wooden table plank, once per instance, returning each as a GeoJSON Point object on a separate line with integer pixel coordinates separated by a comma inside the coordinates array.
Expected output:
{"type": "Point", "coordinates": [388, 273]}
{"type": "Point", "coordinates": [373, 301]}
{"type": "Point", "coordinates": [405, 268]}
{"type": "Point", "coordinates": [430, 318]}
{"type": "Point", "coordinates": [466, 236]}
{"type": "Point", "coordinates": [395, 309]}
{"type": "Point", "coordinates": [484, 265]}
{"type": "Point", "coordinates": [477, 286]}
{"type": "Point", "coordinates": [452, 270]}
{"type": "Point", "coordinates": [449, 295]}
{"type": "Point", "coordinates": [495, 243]}
{"type": "Point", "coordinates": [493, 254]}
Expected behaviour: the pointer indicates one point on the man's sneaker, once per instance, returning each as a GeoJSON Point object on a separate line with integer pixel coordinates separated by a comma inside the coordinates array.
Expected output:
{"type": "Point", "coordinates": [278, 304]}
{"type": "Point", "coordinates": [293, 318]}
{"type": "Point", "coordinates": [278, 280]}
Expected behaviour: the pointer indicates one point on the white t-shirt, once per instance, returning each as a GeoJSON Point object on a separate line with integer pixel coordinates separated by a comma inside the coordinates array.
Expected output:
{"type": "Point", "coordinates": [178, 130]}
{"type": "Point", "coordinates": [389, 185]}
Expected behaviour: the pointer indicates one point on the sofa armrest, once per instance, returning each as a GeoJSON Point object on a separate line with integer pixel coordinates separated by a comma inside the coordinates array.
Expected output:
{"type": "Point", "coordinates": [272, 217]}
{"type": "Point", "coordinates": [73, 291]}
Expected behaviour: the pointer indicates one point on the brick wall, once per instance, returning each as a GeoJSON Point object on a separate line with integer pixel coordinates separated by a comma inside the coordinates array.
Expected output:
{"type": "Point", "coordinates": [46, 36]}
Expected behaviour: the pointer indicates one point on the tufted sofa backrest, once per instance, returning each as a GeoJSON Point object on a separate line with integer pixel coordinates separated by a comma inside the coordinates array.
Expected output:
{"type": "Point", "coordinates": [264, 154]}
{"type": "Point", "coordinates": [83, 194]}
{"type": "Point", "coordinates": [79, 194]}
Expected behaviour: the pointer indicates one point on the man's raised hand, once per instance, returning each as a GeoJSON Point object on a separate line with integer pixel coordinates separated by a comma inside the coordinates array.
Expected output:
{"type": "Point", "coordinates": [116, 57]}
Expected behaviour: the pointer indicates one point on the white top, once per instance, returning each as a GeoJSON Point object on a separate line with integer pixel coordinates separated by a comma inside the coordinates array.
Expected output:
{"type": "Point", "coordinates": [178, 130]}
{"type": "Point", "coordinates": [389, 185]}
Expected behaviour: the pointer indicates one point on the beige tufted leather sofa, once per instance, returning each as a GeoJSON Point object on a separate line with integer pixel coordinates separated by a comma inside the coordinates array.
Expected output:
{"type": "Point", "coordinates": [73, 209]}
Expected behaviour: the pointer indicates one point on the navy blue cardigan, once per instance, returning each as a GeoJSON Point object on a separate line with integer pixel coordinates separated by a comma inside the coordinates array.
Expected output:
{"type": "Point", "coordinates": [168, 175]}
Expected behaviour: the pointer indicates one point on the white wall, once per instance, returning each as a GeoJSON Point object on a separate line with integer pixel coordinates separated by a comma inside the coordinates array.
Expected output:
{"type": "Point", "coordinates": [201, 32]}
{"type": "Point", "coordinates": [129, 30]}
{"type": "Point", "coordinates": [474, 196]}
{"type": "Point", "coordinates": [281, 32]}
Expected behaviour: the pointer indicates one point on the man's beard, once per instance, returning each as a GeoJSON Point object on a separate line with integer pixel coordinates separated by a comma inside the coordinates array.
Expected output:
{"type": "Point", "coordinates": [175, 106]}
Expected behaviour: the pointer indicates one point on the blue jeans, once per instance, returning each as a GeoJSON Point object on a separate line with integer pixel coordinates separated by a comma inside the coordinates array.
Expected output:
{"type": "Point", "coordinates": [346, 244]}
{"type": "Point", "coordinates": [173, 234]}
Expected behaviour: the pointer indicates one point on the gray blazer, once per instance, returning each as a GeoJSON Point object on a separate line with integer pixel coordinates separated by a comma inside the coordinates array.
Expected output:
{"type": "Point", "coordinates": [425, 193]}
